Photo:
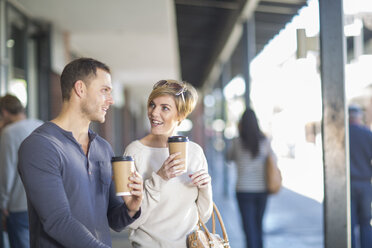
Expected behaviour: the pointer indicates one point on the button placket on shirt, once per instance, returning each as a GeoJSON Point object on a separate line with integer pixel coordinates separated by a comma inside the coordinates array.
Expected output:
{"type": "Point", "coordinates": [89, 165]}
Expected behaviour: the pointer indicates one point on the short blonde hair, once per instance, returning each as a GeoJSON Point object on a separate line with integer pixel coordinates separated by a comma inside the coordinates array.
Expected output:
{"type": "Point", "coordinates": [184, 94]}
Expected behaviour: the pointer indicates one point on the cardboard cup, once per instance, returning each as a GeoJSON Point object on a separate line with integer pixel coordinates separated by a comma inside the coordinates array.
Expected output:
{"type": "Point", "coordinates": [123, 168]}
{"type": "Point", "coordinates": [179, 144]}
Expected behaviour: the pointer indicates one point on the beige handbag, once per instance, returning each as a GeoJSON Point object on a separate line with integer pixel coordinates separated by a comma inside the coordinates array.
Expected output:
{"type": "Point", "coordinates": [203, 238]}
{"type": "Point", "coordinates": [273, 175]}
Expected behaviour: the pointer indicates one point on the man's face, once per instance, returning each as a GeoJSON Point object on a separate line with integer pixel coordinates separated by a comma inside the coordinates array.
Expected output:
{"type": "Point", "coordinates": [98, 98]}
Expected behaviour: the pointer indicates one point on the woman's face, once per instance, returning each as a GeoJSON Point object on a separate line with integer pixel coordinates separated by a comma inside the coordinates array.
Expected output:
{"type": "Point", "coordinates": [163, 115]}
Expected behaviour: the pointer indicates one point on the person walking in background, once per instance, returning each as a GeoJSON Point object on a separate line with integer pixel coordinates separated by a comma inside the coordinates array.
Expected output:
{"type": "Point", "coordinates": [2, 220]}
{"type": "Point", "coordinates": [173, 200]}
{"type": "Point", "coordinates": [12, 193]}
{"type": "Point", "coordinates": [249, 152]}
{"type": "Point", "coordinates": [360, 178]}
{"type": "Point", "coordinates": [66, 168]}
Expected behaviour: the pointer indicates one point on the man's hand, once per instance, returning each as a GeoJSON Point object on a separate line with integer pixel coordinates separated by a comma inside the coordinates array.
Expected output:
{"type": "Point", "coordinates": [133, 202]}
{"type": "Point", "coordinates": [5, 212]}
{"type": "Point", "coordinates": [3, 220]}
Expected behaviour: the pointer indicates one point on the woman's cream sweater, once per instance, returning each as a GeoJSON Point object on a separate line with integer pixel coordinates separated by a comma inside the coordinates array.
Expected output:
{"type": "Point", "coordinates": [169, 208]}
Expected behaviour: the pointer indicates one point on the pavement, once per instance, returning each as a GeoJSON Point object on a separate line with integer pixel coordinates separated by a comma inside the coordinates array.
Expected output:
{"type": "Point", "coordinates": [293, 218]}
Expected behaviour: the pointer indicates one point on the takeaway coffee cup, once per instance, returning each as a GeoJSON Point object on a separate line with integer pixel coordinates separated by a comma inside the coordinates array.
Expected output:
{"type": "Point", "coordinates": [179, 144]}
{"type": "Point", "coordinates": [123, 168]}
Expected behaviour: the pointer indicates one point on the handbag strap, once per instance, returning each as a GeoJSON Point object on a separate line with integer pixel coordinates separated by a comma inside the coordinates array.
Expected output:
{"type": "Point", "coordinates": [206, 231]}
{"type": "Point", "coordinates": [213, 221]}
{"type": "Point", "coordinates": [224, 233]}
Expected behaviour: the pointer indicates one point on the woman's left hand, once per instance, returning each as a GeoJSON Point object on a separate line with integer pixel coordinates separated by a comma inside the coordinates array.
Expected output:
{"type": "Point", "coordinates": [200, 178]}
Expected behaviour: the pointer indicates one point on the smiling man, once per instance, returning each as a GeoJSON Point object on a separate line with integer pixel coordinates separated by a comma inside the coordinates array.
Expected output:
{"type": "Point", "coordinates": [66, 168]}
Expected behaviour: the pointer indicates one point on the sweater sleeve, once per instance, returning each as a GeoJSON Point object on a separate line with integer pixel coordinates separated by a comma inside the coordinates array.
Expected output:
{"type": "Point", "coordinates": [205, 201]}
{"type": "Point", "coordinates": [152, 188]}
{"type": "Point", "coordinates": [40, 172]}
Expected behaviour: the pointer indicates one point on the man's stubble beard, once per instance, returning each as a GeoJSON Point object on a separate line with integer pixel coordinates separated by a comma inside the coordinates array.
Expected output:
{"type": "Point", "coordinates": [91, 114]}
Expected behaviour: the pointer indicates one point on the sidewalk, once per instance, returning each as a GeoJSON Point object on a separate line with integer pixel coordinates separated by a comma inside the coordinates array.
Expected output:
{"type": "Point", "coordinates": [292, 220]}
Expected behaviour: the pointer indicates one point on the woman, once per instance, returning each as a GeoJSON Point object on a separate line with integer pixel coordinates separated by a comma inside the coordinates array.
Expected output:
{"type": "Point", "coordinates": [172, 198]}
{"type": "Point", "coordinates": [249, 152]}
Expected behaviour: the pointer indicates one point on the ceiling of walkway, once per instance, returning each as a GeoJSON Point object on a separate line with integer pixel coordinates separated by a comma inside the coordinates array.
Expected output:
{"type": "Point", "coordinates": [204, 25]}
{"type": "Point", "coordinates": [137, 39]}
{"type": "Point", "coordinates": [145, 40]}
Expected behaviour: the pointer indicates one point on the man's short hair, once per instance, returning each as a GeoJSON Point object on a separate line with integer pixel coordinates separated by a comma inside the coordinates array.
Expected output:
{"type": "Point", "coordinates": [11, 104]}
{"type": "Point", "coordinates": [355, 112]}
{"type": "Point", "coordinates": [83, 69]}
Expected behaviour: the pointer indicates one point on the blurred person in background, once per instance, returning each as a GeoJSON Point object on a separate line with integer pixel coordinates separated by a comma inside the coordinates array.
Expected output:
{"type": "Point", "coordinates": [173, 199]}
{"type": "Point", "coordinates": [2, 220]}
{"type": "Point", "coordinates": [249, 152]}
{"type": "Point", "coordinates": [12, 193]}
{"type": "Point", "coordinates": [360, 178]}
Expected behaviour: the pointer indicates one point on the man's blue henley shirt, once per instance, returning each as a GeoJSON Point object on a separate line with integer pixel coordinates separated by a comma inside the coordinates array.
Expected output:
{"type": "Point", "coordinates": [71, 196]}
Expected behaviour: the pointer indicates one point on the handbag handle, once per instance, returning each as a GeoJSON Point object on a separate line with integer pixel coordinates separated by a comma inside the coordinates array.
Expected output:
{"type": "Point", "coordinates": [224, 233]}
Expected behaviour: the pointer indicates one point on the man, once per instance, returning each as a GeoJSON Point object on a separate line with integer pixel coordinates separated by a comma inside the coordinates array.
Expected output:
{"type": "Point", "coordinates": [12, 194]}
{"type": "Point", "coordinates": [2, 220]}
{"type": "Point", "coordinates": [66, 168]}
{"type": "Point", "coordinates": [360, 177]}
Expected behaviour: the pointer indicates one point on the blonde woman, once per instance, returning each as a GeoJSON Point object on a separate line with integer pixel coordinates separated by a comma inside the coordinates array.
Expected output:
{"type": "Point", "coordinates": [172, 198]}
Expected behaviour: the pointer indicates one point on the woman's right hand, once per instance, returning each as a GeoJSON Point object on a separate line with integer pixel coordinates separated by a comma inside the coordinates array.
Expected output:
{"type": "Point", "coordinates": [171, 167]}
